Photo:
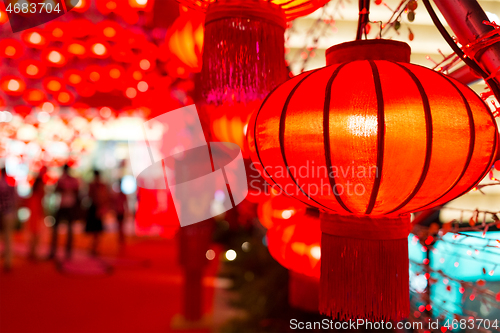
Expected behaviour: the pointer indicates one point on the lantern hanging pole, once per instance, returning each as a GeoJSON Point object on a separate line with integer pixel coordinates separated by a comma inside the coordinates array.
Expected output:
{"type": "Point", "coordinates": [466, 20]}
{"type": "Point", "coordinates": [364, 12]}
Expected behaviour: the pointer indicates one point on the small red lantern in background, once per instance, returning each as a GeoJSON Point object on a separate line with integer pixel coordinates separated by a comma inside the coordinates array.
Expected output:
{"type": "Point", "coordinates": [53, 84]}
{"type": "Point", "coordinates": [74, 77]}
{"type": "Point", "coordinates": [32, 69]}
{"type": "Point", "coordinates": [59, 31]}
{"type": "Point", "coordinates": [110, 30]}
{"type": "Point", "coordinates": [34, 97]}
{"type": "Point", "coordinates": [11, 48]}
{"type": "Point", "coordinates": [185, 39]}
{"type": "Point", "coordinates": [76, 48]}
{"type": "Point", "coordinates": [229, 122]}
{"type": "Point", "coordinates": [295, 242]}
{"type": "Point", "coordinates": [4, 18]}
{"type": "Point", "coordinates": [65, 97]}
{"type": "Point", "coordinates": [277, 209]}
{"type": "Point", "coordinates": [54, 57]}
{"type": "Point", "coordinates": [12, 85]}
{"type": "Point", "coordinates": [99, 49]}
{"type": "Point", "coordinates": [34, 38]}
{"type": "Point", "coordinates": [426, 139]}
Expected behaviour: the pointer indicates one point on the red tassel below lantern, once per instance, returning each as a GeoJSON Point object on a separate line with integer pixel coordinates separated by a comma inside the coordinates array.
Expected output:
{"type": "Point", "coordinates": [364, 267]}
{"type": "Point", "coordinates": [243, 56]}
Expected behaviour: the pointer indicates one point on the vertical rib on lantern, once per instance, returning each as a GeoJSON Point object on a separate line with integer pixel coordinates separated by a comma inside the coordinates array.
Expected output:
{"type": "Point", "coordinates": [243, 56]}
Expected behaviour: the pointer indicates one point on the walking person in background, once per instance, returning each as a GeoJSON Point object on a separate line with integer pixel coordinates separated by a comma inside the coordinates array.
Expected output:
{"type": "Point", "coordinates": [7, 217]}
{"type": "Point", "coordinates": [37, 214]}
{"type": "Point", "coordinates": [121, 210]}
{"type": "Point", "coordinates": [67, 187]}
{"type": "Point", "coordinates": [99, 194]}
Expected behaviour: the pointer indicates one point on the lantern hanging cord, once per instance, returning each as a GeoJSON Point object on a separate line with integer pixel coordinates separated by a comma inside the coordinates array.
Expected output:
{"type": "Point", "coordinates": [364, 12]}
{"type": "Point", "coordinates": [468, 61]}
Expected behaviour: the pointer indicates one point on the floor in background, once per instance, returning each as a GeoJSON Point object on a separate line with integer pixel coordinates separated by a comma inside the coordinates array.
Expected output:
{"type": "Point", "coordinates": [141, 293]}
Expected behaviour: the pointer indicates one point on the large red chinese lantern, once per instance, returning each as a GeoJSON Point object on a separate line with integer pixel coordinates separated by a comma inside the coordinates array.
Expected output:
{"type": "Point", "coordinates": [243, 56]}
{"type": "Point", "coordinates": [367, 140]}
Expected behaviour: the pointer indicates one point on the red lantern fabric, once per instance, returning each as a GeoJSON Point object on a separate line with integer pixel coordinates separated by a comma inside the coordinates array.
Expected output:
{"type": "Point", "coordinates": [295, 242]}
{"type": "Point", "coordinates": [368, 140]}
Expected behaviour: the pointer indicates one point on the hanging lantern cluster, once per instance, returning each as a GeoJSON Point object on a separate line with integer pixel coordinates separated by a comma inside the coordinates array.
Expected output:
{"type": "Point", "coordinates": [105, 64]}
{"type": "Point", "coordinates": [379, 138]}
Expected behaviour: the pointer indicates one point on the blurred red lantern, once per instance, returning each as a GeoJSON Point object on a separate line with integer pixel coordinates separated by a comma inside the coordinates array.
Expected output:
{"type": "Point", "coordinates": [34, 38]}
{"type": "Point", "coordinates": [185, 39]}
{"type": "Point", "coordinates": [53, 84]}
{"type": "Point", "coordinates": [237, 36]}
{"type": "Point", "coordinates": [11, 48]}
{"type": "Point", "coordinates": [421, 139]}
{"type": "Point", "coordinates": [54, 57]}
{"type": "Point", "coordinates": [76, 48]}
{"type": "Point", "coordinates": [110, 30]}
{"type": "Point", "coordinates": [277, 209]}
{"type": "Point", "coordinates": [32, 69]}
{"type": "Point", "coordinates": [99, 49]}
{"type": "Point", "coordinates": [58, 30]}
{"type": "Point", "coordinates": [34, 97]}
{"type": "Point", "coordinates": [12, 85]}
{"type": "Point", "coordinates": [229, 122]}
{"type": "Point", "coordinates": [107, 6]}
{"type": "Point", "coordinates": [64, 97]}
{"type": "Point", "coordinates": [4, 18]}
{"type": "Point", "coordinates": [296, 242]}
{"type": "Point", "coordinates": [141, 4]}
{"type": "Point", "coordinates": [74, 77]}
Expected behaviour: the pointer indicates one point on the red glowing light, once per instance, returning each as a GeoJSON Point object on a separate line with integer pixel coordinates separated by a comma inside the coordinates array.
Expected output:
{"type": "Point", "coordinates": [76, 48]}
{"type": "Point", "coordinates": [11, 48]}
{"type": "Point", "coordinates": [34, 38]}
{"type": "Point", "coordinates": [53, 84]}
{"type": "Point", "coordinates": [54, 57]}
{"type": "Point", "coordinates": [12, 85]}
{"type": "Point", "coordinates": [34, 97]}
{"type": "Point", "coordinates": [65, 98]}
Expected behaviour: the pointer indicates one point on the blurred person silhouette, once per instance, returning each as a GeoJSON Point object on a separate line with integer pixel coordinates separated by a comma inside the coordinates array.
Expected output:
{"type": "Point", "coordinates": [121, 210]}
{"type": "Point", "coordinates": [99, 194]}
{"type": "Point", "coordinates": [68, 188]}
{"type": "Point", "coordinates": [37, 214]}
